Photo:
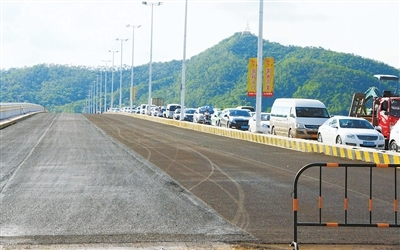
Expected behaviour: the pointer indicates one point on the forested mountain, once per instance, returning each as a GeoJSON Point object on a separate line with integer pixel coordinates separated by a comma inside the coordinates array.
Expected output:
{"type": "Point", "coordinates": [217, 76]}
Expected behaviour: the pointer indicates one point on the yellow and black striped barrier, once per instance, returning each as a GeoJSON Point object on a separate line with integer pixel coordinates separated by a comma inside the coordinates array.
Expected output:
{"type": "Point", "coordinates": [389, 224]}
{"type": "Point", "coordinates": [309, 146]}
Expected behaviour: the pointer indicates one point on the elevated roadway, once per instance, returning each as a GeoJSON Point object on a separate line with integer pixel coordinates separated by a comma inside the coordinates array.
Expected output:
{"type": "Point", "coordinates": [119, 179]}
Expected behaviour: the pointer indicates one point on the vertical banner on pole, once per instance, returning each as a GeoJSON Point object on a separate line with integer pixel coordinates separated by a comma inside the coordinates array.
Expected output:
{"type": "Point", "coordinates": [252, 77]}
{"type": "Point", "coordinates": [268, 83]}
{"type": "Point", "coordinates": [133, 91]}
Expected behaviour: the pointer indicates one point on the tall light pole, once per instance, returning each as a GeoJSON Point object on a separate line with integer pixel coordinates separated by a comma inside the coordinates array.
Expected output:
{"type": "Point", "coordinates": [98, 94]}
{"type": "Point", "coordinates": [90, 100]}
{"type": "Point", "coordinates": [183, 85]}
{"type": "Point", "coordinates": [259, 66]}
{"type": "Point", "coordinates": [120, 75]}
{"type": "Point", "coordinates": [133, 46]}
{"type": "Point", "coordinates": [93, 96]}
{"type": "Point", "coordinates": [151, 51]}
{"type": "Point", "coordinates": [112, 78]}
{"type": "Point", "coordinates": [105, 86]}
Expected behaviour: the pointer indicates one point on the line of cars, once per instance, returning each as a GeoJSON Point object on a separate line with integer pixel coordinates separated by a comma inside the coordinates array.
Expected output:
{"type": "Point", "coordinates": [309, 119]}
{"type": "Point", "coordinates": [293, 118]}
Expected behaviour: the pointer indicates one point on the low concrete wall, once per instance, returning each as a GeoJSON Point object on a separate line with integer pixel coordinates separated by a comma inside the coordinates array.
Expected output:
{"type": "Point", "coordinates": [10, 113]}
{"type": "Point", "coordinates": [310, 146]}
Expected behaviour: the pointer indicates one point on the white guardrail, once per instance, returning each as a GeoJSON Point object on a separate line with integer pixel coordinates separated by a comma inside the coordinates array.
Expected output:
{"type": "Point", "coordinates": [11, 110]}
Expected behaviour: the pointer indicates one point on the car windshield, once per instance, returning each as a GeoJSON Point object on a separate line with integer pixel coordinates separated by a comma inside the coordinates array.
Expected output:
{"type": "Point", "coordinates": [172, 108]}
{"type": "Point", "coordinates": [395, 108]}
{"type": "Point", "coordinates": [264, 117]}
{"type": "Point", "coordinates": [239, 113]}
{"type": "Point", "coordinates": [189, 111]}
{"type": "Point", "coordinates": [312, 112]}
{"type": "Point", "coordinates": [353, 123]}
{"type": "Point", "coordinates": [202, 110]}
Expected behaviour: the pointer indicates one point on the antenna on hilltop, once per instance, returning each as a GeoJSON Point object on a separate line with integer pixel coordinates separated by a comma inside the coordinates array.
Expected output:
{"type": "Point", "coordinates": [247, 30]}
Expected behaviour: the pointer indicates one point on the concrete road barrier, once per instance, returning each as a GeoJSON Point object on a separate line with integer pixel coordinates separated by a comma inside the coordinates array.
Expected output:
{"type": "Point", "coordinates": [10, 113]}
{"type": "Point", "coordinates": [309, 146]}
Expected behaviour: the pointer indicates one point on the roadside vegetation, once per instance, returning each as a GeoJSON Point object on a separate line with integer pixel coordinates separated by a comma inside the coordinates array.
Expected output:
{"type": "Point", "coordinates": [217, 77]}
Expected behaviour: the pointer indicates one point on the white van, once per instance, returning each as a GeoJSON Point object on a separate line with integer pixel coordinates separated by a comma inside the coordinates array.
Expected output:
{"type": "Point", "coordinates": [143, 108]}
{"type": "Point", "coordinates": [297, 118]}
{"type": "Point", "coordinates": [169, 112]}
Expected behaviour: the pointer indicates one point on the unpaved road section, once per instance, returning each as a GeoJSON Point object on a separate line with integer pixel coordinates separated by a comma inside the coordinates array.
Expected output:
{"type": "Point", "coordinates": [63, 181]}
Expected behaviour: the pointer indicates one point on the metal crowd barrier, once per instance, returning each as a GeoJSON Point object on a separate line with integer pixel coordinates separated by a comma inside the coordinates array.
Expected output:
{"type": "Point", "coordinates": [395, 224]}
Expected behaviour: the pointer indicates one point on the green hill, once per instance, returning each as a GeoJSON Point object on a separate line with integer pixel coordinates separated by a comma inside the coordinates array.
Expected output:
{"type": "Point", "coordinates": [217, 76]}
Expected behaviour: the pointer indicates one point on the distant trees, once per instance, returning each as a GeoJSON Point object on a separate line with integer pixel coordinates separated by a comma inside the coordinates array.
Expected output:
{"type": "Point", "coordinates": [217, 76]}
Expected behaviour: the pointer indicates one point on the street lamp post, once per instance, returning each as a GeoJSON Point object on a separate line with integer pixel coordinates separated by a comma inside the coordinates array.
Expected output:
{"type": "Point", "coordinates": [259, 66]}
{"type": "Point", "coordinates": [89, 100]}
{"type": "Point", "coordinates": [93, 96]}
{"type": "Point", "coordinates": [112, 78]}
{"type": "Point", "coordinates": [98, 94]}
{"type": "Point", "coordinates": [133, 46]}
{"type": "Point", "coordinates": [151, 52]}
{"type": "Point", "coordinates": [183, 85]}
{"type": "Point", "coordinates": [120, 75]}
{"type": "Point", "coordinates": [105, 86]}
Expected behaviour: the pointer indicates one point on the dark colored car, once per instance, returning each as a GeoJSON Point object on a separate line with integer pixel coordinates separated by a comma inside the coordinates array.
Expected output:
{"type": "Point", "coordinates": [235, 118]}
{"type": "Point", "coordinates": [189, 112]}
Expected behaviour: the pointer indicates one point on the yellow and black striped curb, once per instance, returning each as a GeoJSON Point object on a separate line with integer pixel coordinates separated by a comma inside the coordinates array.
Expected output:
{"type": "Point", "coordinates": [309, 146]}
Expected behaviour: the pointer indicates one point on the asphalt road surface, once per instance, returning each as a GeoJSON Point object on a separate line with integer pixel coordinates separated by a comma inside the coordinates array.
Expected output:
{"type": "Point", "coordinates": [70, 179]}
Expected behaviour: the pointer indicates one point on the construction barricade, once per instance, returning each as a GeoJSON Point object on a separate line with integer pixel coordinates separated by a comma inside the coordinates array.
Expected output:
{"type": "Point", "coordinates": [345, 221]}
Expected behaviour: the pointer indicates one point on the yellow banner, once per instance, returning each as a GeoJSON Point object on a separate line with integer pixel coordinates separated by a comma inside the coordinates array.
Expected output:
{"type": "Point", "coordinates": [252, 77]}
{"type": "Point", "coordinates": [268, 83]}
{"type": "Point", "coordinates": [133, 92]}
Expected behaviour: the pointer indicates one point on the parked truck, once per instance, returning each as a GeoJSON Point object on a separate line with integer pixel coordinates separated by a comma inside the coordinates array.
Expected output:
{"type": "Point", "coordinates": [382, 110]}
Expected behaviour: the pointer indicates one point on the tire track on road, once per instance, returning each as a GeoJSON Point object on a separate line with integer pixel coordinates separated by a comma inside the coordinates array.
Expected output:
{"type": "Point", "coordinates": [241, 213]}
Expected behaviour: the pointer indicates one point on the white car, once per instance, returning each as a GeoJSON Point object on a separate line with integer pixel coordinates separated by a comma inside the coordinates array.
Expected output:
{"type": "Point", "coordinates": [216, 117]}
{"type": "Point", "coordinates": [177, 114]}
{"type": "Point", "coordinates": [350, 131]}
{"type": "Point", "coordinates": [394, 140]}
{"type": "Point", "coordinates": [264, 123]}
{"type": "Point", "coordinates": [198, 116]}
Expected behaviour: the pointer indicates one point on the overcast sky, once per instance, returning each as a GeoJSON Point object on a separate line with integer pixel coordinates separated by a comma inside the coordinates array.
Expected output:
{"type": "Point", "coordinates": [82, 32]}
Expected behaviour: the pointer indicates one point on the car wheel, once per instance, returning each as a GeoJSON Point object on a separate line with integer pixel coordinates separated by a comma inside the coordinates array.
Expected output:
{"type": "Point", "coordinates": [339, 140]}
{"type": "Point", "coordinates": [393, 146]}
{"type": "Point", "coordinates": [227, 125]}
{"type": "Point", "coordinates": [273, 132]}
{"type": "Point", "coordinates": [290, 134]}
{"type": "Point", "coordinates": [320, 138]}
